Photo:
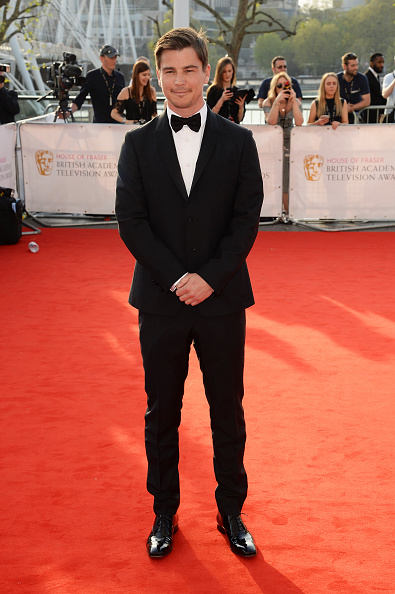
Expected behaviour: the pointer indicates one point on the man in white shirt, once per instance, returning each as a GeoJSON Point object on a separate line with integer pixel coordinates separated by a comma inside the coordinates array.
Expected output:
{"type": "Point", "coordinates": [389, 94]}
{"type": "Point", "coordinates": [189, 196]}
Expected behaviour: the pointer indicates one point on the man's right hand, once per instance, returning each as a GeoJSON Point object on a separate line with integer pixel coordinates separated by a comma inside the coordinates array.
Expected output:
{"type": "Point", "coordinates": [192, 289]}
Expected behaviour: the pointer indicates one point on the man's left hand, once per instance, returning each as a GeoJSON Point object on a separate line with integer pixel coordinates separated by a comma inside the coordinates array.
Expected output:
{"type": "Point", "coordinates": [192, 289]}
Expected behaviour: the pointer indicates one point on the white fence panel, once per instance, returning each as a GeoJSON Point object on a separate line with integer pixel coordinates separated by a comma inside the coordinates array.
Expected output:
{"type": "Point", "coordinates": [269, 141]}
{"type": "Point", "coordinates": [7, 156]}
{"type": "Point", "coordinates": [71, 168]}
{"type": "Point", "coordinates": [343, 174]}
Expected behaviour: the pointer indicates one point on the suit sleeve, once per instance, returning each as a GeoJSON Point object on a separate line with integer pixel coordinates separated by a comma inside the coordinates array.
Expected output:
{"type": "Point", "coordinates": [132, 212]}
{"type": "Point", "coordinates": [239, 237]}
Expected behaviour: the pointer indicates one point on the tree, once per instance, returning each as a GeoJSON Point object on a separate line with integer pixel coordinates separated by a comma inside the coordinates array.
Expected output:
{"type": "Point", "coordinates": [373, 29]}
{"type": "Point", "coordinates": [266, 48]}
{"type": "Point", "coordinates": [250, 20]}
{"type": "Point", "coordinates": [17, 15]}
{"type": "Point", "coordinates": [317, 47]}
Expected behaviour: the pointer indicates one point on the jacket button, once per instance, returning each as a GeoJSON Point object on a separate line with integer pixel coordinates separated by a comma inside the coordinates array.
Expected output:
{"type": "Point", "coordinates": [191, 219]}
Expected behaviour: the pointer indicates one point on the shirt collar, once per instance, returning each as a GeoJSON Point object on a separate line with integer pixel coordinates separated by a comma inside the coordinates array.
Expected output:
{"type": "Point", "coordinates": [376, 74]}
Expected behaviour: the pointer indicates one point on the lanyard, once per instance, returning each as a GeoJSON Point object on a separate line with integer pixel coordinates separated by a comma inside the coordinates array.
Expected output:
{"type": "Point", "coordinates": [331, 115]}
{"type": "Point", "coordinates": [110, 88]}
{"type": "Point", "coordinates": [346, 89]}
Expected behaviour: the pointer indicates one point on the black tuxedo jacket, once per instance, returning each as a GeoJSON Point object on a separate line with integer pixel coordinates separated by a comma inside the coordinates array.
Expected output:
{"type": "Point", "coordinates": [209, 232]}
{"type": "Point", "coordinates": [376, 98]}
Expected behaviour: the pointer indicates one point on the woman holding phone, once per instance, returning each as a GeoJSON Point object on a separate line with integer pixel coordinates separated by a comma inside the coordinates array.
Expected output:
{"type": "Point", "coordinates": [329, 108]}
{"type": "Point", "coordinates": [282, 108]}
{"type": "Point", "coordinates": [222, 95]}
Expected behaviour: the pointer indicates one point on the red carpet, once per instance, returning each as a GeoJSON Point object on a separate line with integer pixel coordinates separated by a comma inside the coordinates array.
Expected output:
{"type": "Point", "coordinates": [319, 405]}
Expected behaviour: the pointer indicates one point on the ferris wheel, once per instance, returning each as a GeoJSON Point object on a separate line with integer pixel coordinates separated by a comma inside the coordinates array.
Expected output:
{"type": "Point", "coordinates": [81, 27]}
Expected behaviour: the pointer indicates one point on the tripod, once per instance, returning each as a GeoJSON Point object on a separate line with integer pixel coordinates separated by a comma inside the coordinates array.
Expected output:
{"type": "Point", "coordinates": [62, 111]}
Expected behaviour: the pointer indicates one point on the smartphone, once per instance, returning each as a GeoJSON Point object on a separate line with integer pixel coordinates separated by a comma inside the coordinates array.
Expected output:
{"type": "Point", "coordinates": [287, 89]}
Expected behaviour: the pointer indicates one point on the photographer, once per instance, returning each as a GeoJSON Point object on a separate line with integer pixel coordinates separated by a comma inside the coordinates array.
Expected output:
{"type": "Point", "coordinates": [222, 95]}
{"type": "Point", "coordinates": [283, 108]}
{"type": "Point", "coordinates": [9, 106]}
{"type": "Point", "coordinates": [104, 85]}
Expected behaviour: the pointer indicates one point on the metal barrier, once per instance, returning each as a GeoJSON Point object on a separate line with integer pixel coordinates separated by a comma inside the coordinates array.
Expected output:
{"type": "Point", "coordinates": [383, 115]}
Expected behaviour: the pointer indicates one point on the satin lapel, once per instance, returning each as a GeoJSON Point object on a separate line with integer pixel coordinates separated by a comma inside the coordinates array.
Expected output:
{"type": "Point", "coordinates": [168, 152]}
{"type": "Point", "coordinates": [210, 139]}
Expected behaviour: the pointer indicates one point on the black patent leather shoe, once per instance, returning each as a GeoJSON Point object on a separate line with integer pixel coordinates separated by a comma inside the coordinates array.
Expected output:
{"type": "Point", "coordinates": [240, 540]}
{"type": "Point", "coordinates": [160, 541]}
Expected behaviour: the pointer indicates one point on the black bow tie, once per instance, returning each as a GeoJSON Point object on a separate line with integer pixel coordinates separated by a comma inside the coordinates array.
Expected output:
{"type": "Point", "coordinates": [193, 122]}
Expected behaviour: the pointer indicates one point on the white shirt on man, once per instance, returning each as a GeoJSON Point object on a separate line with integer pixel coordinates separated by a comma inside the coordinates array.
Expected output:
{"type": "Point", "coordinates": [188, 145]}
{"type": "Point", "coordinates": [386, 83]}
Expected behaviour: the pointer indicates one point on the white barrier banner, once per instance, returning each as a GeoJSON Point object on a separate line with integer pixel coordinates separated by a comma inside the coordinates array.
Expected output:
{"type": "Point", "coordinates": [343, 174]}
{"type": "Point", "coordinates": [269, 141]}
{"type": "Point", "coordinates": [7, 156]}
{"type": "Point", "coordinates": [71, 168]}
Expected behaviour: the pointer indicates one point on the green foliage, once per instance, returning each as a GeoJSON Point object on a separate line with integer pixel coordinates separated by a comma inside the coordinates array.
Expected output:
{"type": "Point", "coordinates": [19, 17]}
{"type": "Point", "coordinates": [325, 35]}
{"type": "Point", "coordinates": [266, 48]}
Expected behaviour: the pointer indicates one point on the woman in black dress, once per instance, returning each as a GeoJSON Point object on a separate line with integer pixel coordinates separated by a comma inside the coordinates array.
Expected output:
{"type": "Point", "coordinates": [136, 104]}
{"type": "Point", "coordinates": [221, 94]}
{"type": "Point", "coordinates": [328, 108]}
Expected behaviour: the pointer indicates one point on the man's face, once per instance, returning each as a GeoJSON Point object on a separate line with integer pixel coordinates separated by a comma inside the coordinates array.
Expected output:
{"type": "Point", "coordinates": [181, 76]}
{"type": "Point", "coordinates": [279, 66]}
{"type": "Point", "coordinates": [378, 64]}
{"type": "Point", "coordinates": [351, 68]}
{"type": "Point", "coordinates": [109, 64]}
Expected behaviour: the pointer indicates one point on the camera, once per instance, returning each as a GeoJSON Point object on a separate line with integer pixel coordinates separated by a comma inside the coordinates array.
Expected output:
{"type": "Point", "coordinates": [62, 76]}
{"type": "Point", "coordinates": [4, 68]}
{"type": "Point", "coordinates": [287, 88]}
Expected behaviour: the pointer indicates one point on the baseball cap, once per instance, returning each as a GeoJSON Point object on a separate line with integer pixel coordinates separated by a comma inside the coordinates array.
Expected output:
{"type": "Point", "coordinates": [109, 50]}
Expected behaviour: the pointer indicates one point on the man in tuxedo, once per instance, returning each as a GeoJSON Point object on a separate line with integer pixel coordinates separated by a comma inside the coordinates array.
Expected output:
{"type": "Point", "coordinates": [376, 65]}
{"type": "Point", "coordinates": [189, 195]}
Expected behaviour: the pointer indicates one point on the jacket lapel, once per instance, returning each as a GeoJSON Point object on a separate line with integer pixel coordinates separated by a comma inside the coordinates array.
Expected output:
{"type": "Point", "coordinates": [210, 138]}
{"type": "Point", "coordinates": [168, 152]}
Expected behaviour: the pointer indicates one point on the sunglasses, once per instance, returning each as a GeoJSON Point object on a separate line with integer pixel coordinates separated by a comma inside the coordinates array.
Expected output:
{"type": "Point", "coordinates": [281, 85]}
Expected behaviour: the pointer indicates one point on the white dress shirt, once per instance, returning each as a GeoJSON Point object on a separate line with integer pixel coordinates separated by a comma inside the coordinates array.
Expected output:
{"type": "Point", "coordinates": [188, 145]}
{"type": "Point", "coordinates": [375, 74]}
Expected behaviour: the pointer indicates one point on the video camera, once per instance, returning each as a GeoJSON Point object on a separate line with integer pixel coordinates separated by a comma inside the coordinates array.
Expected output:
{"type": "Point", "coordinates": [4, 68]}
{"type": "Point", "coordinates": [62, 76]}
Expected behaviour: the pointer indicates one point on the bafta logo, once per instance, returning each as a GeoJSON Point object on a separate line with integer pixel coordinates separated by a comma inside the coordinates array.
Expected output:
{"type": "Point", "coordinates": [44, 162]}
{"type": "Point", "coordinates": [313, 167]}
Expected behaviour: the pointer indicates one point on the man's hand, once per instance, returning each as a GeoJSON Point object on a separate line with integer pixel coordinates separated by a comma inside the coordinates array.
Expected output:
{"type": "Point", "coordinates": [192, 289]}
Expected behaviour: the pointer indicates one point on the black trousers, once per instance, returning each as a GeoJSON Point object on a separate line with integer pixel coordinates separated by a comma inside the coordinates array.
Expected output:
{"type": "Point", "coordinates": [165, 345]}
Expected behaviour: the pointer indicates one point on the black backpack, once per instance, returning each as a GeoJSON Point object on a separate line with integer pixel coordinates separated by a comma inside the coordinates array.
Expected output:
{"type": "Point", "coordinates": [10, 217]}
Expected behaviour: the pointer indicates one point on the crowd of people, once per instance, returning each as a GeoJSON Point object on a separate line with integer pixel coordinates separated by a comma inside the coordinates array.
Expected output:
{"type": "Point", "coordinates": [113, 101]}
